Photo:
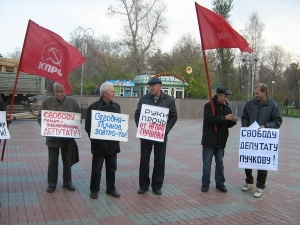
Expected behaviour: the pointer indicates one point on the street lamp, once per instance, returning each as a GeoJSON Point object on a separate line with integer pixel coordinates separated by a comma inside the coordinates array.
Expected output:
{"type": "Point", "coordinates": [249, 58]}
{"type": "Point", "coordinates": [83, 34]}
{"type": "Point", "coordinates": [273, 83]}
{"type": "Point", "coordinates": [242, 93]}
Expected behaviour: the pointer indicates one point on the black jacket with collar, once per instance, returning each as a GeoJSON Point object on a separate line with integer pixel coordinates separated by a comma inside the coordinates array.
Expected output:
{"type": "Point", "coordinates": [218, 138]}
{"type": "Point", "coordinates": [163, 101]}
{"type": "Point", "coordinates": [98, 146]}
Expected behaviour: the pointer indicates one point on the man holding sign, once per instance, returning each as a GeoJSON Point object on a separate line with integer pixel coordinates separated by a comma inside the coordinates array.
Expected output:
{"type": "Point", "coordinates": [103, 148]}
{"type": "Point", "coordinates": [59, 102]}
{"type": "Point", "coordinates": [266, 112]}
{"type": "Point", "coordinates": [155, 116]}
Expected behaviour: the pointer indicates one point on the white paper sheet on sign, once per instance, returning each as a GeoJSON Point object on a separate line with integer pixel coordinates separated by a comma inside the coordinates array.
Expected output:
{"type": "Point", "coordinates": [60, 124]}
{"type": "Point", "coordinates": [152, 123]}
{"type": "Point", "coordinates": [109, 126]}
{"type": "Point", "coordinates": [259, 148]}
{"type": "Point", "coordinates": [4, 133]}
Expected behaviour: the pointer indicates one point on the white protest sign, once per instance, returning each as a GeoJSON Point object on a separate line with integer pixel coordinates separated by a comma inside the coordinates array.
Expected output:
{"type": "Point", "coordinates": [109, 126]}
{"type": "Point", "coordinates": [152, 123]}
{"type": "Point", "coordinates": [259, 148]}
{"type": "Point", "coordinates": [60, 124]}
{"type": "Point", "coordinates": [4, 133]}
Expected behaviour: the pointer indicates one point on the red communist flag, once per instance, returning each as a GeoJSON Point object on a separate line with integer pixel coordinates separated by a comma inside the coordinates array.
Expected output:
{"type": "Point", "coordinates": [46, 54]}
{"type": "Point", "coordinates": [216, 32]}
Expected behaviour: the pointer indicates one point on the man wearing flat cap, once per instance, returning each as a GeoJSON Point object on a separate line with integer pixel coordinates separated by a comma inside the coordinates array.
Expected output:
{"type": "Point", "coordinates": [214, 137]}
{"type": "Point", "coordinates": [157, 98]}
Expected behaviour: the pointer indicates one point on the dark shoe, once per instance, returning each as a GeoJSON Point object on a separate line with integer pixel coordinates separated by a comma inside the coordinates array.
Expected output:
{"type": "Point", "coordinates": [204, 188]}
{"type": "Point", "coordinates": [94, 195]}
{"type": "Point", "coordinates": [114, 193]}
{"type": "Point", "coordinates": [222, 188]}
{"type": "Point", "coordinates": [157, 192]}
{"type": "Point", "coordinates": [70, 187]}
{"type": "Point", "coordinates": [142, 191]}
{"type": "Point", "coordinates": [50, 189]}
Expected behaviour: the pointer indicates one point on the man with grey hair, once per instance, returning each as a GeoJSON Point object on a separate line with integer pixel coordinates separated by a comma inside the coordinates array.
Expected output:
{"type": "Point", "coordinates": [59, 102]}
{"type": "Point", "coordinates": [103, 149]}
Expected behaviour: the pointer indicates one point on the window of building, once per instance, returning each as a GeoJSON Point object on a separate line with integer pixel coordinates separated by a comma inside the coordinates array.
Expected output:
{"type": "Point", "coordinates": [142, 91]}
{"type": "Point", "coordinates": [179, 93]}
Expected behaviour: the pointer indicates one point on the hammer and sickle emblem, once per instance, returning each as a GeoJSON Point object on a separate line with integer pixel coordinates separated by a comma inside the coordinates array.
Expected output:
{"type": "Point", "coordinates": [55, 56]}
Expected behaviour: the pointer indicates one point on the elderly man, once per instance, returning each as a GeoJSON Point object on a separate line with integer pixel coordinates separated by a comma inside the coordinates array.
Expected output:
{"type": "Point", "coordinates": [214, 137]}
{"type": "Point", "coordinates": [157, 98]}
{"type": "Point", "coordinates": [59, 102]}
{"type": "Point", "coordinates": [103, 150]}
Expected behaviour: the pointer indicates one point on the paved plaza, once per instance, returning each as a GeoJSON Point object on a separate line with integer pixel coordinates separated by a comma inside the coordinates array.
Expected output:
{"type": "Point", "coordinates": [24, 200]}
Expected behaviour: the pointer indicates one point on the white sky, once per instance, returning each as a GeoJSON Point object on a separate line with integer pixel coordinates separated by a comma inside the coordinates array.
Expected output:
{"type": "Point", "coordinates": [281, 19]}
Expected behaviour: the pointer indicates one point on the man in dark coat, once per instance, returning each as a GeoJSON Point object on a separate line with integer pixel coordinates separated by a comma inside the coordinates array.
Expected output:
{"type": "Point", "coordinates": [266, 112]}
{"type": "Point", "coordinates": [59, 102]}
{"type": "Point", "coordinates": [214, 137]}
{"type": "Point", "coordinates": [103, 149]}
{"type": "Point", "coordinates": [157, 98]}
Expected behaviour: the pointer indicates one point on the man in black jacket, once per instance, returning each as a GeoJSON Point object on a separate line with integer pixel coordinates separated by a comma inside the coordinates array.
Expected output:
{"type": "Point", "coordinates": [214, 137]}
{"type": "Point", "coordinates": [103, 149]}
{"type": "Point", "coordinates": [157, 98]}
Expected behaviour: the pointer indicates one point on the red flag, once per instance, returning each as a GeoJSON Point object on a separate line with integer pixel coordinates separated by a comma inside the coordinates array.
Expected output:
{"type": "Point", "coordinates": [216, 32]}
{"type": "Point", "coordinates": [47, 54]}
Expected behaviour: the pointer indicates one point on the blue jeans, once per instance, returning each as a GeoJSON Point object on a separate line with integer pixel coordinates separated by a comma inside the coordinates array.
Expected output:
{"type": "Point", "coordinates": [207, 155]}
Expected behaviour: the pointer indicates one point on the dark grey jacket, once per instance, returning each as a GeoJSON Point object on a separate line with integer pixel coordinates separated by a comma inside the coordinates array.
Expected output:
{"type": "Point", "coordinates": [2, 105]}
{"type": "Point", "coordinates": [69, 104]}
{"type": "Point", "coordinates": [211, 137]}
{"type": "Point", "coordinates": [163, 101]}
{"type": "Point", "coordinates": [98, 146]}
{"type": "Point", "coordinates": [267, 114]}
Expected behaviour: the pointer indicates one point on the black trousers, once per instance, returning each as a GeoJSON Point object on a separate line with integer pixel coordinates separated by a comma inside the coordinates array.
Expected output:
{"type": "Point", "coordinates": [260, 180]}
{"type": "Point", "coordinates": [159, 164]}
{"type": "Point", "coordinates": [111, 168]}
{"type": "Point", "coordinates": [53, 154]}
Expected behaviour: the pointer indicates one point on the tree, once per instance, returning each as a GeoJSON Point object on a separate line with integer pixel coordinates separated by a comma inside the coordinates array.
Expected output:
{"type": "Point", "coordinates": [253, 34]}
{"type": "Point", "coordinates": [144, 24]}
{"type": "Point", "coordinates": [225, 71]}
{"type": "Point", "coordinates": [16, 54]}
{"type": "Point", "coordinates": [292, 88]}
{"type": "Point", "coordinates": [105, 59]}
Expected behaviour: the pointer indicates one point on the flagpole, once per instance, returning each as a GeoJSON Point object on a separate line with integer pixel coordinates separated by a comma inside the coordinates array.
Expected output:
{"type": "Point", "coordinates": [14, 92]}
{"type": "Point", "coordinates": [206, 71]}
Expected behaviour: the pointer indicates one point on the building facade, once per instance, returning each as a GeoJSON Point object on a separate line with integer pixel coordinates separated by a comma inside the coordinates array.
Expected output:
{"type": "Point", "coordinates": [173, 85]}
{"type": "Point", "coordinates": [124, 88]}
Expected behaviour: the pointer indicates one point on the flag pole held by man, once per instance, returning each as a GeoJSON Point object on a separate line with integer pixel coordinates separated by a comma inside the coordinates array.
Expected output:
{"type": "Point", "coordinates": [216, 32]}
{"type": "Point", "coordinates": [48, 55]}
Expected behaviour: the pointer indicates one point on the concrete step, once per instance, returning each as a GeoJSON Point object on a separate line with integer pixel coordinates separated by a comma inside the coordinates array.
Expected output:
{"type": "Point", "coordinates": [16, 109]}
